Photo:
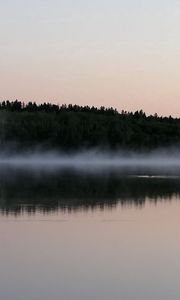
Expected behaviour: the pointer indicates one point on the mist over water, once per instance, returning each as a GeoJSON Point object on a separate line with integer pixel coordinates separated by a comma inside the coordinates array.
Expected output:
{"type": "Point", "coordinates": [95, 160]}
{"type": "Point", "coordinates": [52, 181]}
{"type": "Point", "coordinates": [91, 225]}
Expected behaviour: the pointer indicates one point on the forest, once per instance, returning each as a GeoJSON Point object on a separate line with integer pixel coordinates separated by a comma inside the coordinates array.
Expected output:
{"type": "Point", "coordinates": [72, 127]}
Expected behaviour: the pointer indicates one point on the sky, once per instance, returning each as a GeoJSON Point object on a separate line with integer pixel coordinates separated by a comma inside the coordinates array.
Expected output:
{"type": "Point", "coordinates": [124, 54]}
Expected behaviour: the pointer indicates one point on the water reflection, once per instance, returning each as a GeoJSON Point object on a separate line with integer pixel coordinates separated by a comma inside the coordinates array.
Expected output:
{"type": "Point", "coordinates": [27, 191]}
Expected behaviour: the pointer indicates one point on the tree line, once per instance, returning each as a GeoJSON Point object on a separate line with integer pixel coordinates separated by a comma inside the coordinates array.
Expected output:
{"type": "Point", "coordinates": [72, 127]}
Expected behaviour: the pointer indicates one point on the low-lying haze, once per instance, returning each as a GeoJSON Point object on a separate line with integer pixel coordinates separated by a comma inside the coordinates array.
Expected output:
{"type": "Point", "coordinates": [94, 160]}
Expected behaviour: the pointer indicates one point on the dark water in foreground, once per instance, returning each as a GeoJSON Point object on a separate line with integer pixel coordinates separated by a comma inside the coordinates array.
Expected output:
{"type": "Point", "coordinates": [71, 236]}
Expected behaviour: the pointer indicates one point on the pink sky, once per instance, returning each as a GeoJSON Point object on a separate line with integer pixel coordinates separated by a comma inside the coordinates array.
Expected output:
{"type": "Point", "coordinates": [120, 54]}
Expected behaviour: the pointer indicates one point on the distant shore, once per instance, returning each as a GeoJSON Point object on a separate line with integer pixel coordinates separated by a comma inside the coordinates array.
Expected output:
{"type": "Point", "coordinates": [73, 127]}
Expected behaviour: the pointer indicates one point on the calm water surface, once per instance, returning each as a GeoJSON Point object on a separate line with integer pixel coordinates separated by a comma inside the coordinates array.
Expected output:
{"type": "Point", "coordinates": [73, 236]}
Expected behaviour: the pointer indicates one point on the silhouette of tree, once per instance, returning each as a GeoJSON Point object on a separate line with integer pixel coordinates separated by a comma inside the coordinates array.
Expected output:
{"type": "Point", "coordinates": [73, 127]}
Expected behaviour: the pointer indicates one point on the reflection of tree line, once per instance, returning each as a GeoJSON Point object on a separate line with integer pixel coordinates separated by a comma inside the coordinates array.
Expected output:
{"type": "Point", "coordinates": [21, 192]}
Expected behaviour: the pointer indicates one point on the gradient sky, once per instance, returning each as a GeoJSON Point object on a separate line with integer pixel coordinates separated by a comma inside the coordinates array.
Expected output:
{"type": "Point", "coordinates": [124, 54]}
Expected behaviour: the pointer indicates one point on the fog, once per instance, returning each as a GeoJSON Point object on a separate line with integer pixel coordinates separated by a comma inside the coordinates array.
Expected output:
{"type": "Point", "coordinates": [94, 160]}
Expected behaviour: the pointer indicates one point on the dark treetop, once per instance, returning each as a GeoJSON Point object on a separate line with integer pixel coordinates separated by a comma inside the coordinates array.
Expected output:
{"type": "Point", "coordinates": [73, 127]}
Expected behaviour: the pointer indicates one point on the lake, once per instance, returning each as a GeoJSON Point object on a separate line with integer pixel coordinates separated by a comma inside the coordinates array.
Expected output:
{"type": "Point", "coordinates": [74, 235]}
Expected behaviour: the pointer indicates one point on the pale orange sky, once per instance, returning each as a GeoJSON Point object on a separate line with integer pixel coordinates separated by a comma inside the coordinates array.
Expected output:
{"type": "Point", "coordinates": [123, 54]}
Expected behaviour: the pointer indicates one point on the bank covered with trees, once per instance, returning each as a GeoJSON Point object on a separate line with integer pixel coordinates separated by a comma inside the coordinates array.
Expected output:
{"type": "Point", "coordinates": [73, 127]}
